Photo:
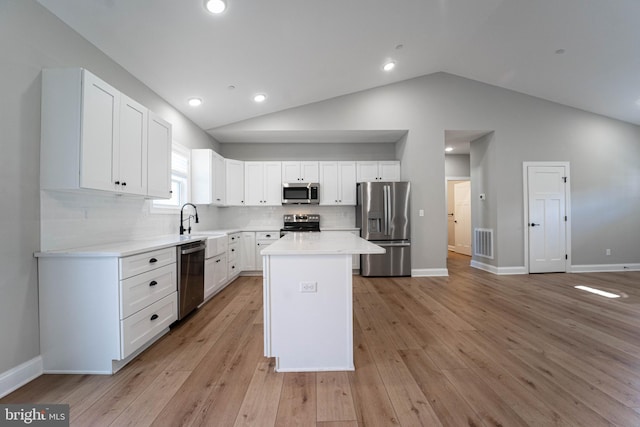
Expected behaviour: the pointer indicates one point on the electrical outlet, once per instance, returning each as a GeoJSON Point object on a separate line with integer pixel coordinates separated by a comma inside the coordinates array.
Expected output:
{"type": "Point", "coordinates": [421, 212]}
{"type": "Point", "coordinates": [607, 252]}
{"type": "Point", "coordinates": [308, 286]}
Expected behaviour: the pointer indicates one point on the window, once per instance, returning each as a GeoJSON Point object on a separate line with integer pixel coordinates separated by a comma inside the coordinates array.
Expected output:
{"type": "Point", "coordinates": [180, 162]}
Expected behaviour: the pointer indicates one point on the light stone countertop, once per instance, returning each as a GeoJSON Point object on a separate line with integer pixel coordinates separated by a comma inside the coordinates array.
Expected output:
{"type": "Point", "coordinates": [122, 249]}
{"type": "Point", "coordinates": [323, 243]}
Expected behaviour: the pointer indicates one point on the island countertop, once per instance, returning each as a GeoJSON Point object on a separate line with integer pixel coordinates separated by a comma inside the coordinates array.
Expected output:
{"type": "Point", "coordinates": [322, 243]}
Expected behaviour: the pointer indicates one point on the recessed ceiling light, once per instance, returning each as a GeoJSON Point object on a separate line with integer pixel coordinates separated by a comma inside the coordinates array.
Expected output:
{"type": "Point", "coordinates": [195, 102]}
{"type": "Point", "coordinates": [215, 6]}
{"type": "Point", "coordinates": [560, 51]}
{"type": "Point", "coordinates": [448, 149]}
{"type": "Point", "coordinates": [389, 66]}
{"type": "Point", "coordinates": [597, 291]}
{"type": "Point", "coordinates": [261, 97]}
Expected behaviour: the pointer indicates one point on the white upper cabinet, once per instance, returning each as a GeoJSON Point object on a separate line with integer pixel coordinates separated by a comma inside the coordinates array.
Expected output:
{"type": "Point", "coordinates": [158, 157]}
{"type": "Point", "coordinates": [337, 183]}
{"type": "Point", "coordinates": [371, 171]}
{"type": "Point", "coordinates": [306, 171]}
{"type": "Point", "coordinates": [92, 136]}
{"type": "Point", "coordinates": [208, 177]}
{"type": "Point", "coordinates": [263, 183]}
{"type": "Point", "coordinates": [130, 154]}
{"type": "Point", "coordinates": [234, 178]}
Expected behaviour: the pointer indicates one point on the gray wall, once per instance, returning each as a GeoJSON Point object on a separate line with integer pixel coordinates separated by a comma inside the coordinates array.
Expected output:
{"type": "Point", "coordinates": [324, 151]}
{"type": "Point", "coordinates": [31, 39]}
{"type": "Point", "coordinates": [457, 165]}
{"type": "Point", "coordinates": [604, 155]}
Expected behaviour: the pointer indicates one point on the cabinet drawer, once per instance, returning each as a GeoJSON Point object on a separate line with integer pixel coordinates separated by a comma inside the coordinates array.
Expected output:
{"type": "Point", "coordinates": [267, 235]}
{"type": "Point", "coordinates": [141, 263]}
{"type": "Point", "coordinates": [139, 328]}
{"type": "Point", "coordinates": [234, 237]}
{"type": "Point", "coordinates": [233, 251]}
{"type": "Point", "coordinates": [139, 291]}
{"type": "Point", "coordinates": [234, 269]}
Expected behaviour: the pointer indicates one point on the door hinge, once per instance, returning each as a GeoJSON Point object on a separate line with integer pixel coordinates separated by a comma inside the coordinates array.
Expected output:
{"type": "Point", "coordinates": [564, 179]}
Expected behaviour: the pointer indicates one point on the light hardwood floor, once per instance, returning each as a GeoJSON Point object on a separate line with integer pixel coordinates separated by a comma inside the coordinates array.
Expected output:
{"type": "Point", "coordinates": [471, 349]}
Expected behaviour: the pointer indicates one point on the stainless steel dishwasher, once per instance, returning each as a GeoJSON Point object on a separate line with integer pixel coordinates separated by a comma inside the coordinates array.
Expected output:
{"type": "Point", "coordinates": [190, 277]}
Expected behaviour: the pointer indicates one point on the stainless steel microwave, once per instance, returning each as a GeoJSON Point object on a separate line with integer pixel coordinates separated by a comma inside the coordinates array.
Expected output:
{"type": "Point", "coordinates": [300, 193]}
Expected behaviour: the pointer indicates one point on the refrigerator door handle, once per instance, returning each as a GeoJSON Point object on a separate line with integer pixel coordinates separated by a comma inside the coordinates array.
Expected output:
{"type": "Point", "coordinates": [385, 193]}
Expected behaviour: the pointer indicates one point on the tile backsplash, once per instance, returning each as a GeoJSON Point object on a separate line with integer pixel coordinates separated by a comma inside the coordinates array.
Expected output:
{"type": "Point", "coordinates": [70, 220]}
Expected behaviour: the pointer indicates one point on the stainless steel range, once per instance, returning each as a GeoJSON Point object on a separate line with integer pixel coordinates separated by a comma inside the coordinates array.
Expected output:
{"type": "Point", "coordinates": [300, 222]}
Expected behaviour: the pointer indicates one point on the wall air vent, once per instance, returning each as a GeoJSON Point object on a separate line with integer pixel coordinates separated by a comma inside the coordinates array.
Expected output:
{"type": "Point", "coordinates": [483, 242]}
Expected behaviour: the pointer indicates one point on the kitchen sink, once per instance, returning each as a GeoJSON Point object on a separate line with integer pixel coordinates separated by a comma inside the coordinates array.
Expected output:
{"type": "Point", "coordinates": [216, 242]}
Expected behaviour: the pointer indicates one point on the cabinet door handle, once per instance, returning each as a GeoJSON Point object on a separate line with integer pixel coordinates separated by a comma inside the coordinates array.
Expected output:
{"type": "Point", "coordinates": [124, 184]}
{"type": "Point", "coordinates": [152, 261]}
{"type": "Point", "coordinates": [217, 260]}
{"type": "Point", "coordinates": [154, 317]}
{"type": "Point", "coordinates": [153, 283]}
{"type": "Point", "coordinates": [117, 183]}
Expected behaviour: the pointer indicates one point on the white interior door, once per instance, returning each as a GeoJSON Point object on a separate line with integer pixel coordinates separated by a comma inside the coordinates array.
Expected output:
{"type": "Point", "coordinates": [547, 219]}
{"type": "Point", "coordinates": [462, 217]}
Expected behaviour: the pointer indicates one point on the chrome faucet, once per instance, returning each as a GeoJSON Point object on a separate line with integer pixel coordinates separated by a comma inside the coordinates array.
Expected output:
{"type": "Point", "coordinates": [188, 218]}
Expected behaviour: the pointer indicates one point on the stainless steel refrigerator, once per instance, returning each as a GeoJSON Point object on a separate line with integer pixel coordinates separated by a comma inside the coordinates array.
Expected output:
{"type": "Point", "coordinates": [382, 214]}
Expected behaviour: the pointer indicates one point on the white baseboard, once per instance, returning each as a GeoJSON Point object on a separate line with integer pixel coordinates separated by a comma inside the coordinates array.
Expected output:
{"type": "Point", "coordinates": [498, 270]}
{"type": "Point", "coordinates": [15, 378]}
{"type": "Point", "coordinates": [429, 272]}
{"type": "Point", "coordinates": [603, 268]}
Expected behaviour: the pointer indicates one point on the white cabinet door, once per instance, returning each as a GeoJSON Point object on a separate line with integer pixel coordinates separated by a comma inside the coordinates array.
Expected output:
{"type": "Point", "coordinates": [234, 182]}
{"type": "Point", "coordinates": [248, 251]}
{"type": "Point", "coordinates": [337, 183]}
{"type": "Point", "coordinates": [309, 172]}
{"type": "Point", "coordinates": [263, 183]}
{"type": "Point", "coordinates": [386, 170]}
{"type": "Point", "coordinates": [100, 113]}
{"type": "Point", "coordinates": [347, 183]}
{"type": "Point", "coordinates": [253, 183]}
{"type": "Point", "coordinates": [389, 170]}
{"type": "Point", "coordinates": [158, 157]}
{"type": "Point", "coordinates": [219, 178]}
{"type": "Point", "coordinates": [328, 183]}
{"type": "Point", "coordinates": [207, 177]}
{"type": "Point", "coordinates": [215, 274]}
{"type": "Point", "coordinates": [272, 184]}
{"type": "Point", "coordinates": [306, 171]}
{"type": "Point", "coordinates": [355, 262]}
{"type": "Point", "coordinates": [130, 154]}
{"type": "Point", "coordinates": [290, 172]}
{"type": "Point", "coordinates": [367, 171]}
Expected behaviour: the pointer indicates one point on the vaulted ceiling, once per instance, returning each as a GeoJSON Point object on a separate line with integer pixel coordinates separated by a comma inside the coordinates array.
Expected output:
{"type": "Point", "coordinates": [581, 53]}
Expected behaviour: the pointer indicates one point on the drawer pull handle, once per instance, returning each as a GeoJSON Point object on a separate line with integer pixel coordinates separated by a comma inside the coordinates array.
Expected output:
{"type": "Point", "coordinates": [268, 235]}
{"type": "Point", "coordinates": [153, 260]}
{"type": "Point", "coordinates": [217, 260]}
{"type": "Point", "coordinates": [233, 250]}
{"type": "Point", "coordinates": [154, 317]}
{"type": "Point", "coordinates": [153, 283]}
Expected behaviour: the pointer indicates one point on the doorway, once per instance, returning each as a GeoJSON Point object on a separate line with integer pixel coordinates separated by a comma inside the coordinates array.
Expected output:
{"type": "Point", "coordinates": [459, 216]}
{"type": "Point", "coordinates": [547, 219]}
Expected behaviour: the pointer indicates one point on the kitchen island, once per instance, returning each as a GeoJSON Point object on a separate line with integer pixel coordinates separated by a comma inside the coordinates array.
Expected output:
{"type": "Point", "coordinates": [308, 302]}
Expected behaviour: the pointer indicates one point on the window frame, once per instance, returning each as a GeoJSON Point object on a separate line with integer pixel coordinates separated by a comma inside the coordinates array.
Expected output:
{"type": "Point", "coordinates": [160, 206]}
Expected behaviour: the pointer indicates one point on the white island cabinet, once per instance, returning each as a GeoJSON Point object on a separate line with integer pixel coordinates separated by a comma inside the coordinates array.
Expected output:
{"type": "Point", "coordinates": [308, 302]}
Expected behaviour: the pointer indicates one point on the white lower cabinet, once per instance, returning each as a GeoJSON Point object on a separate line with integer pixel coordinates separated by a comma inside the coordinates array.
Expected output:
{"type": "Point", "coordinates": [248, 251]}
{"type": "Point", "coordinates": [98, 312]}
{"type": "Point", "coordinates": [215, 274]}
{"type": "Point", "coordinates": [264, 239]}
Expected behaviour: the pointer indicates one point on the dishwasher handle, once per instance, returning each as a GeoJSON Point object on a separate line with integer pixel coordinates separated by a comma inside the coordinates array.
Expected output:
{"type": "Point", "coordinates": [191, 249]}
